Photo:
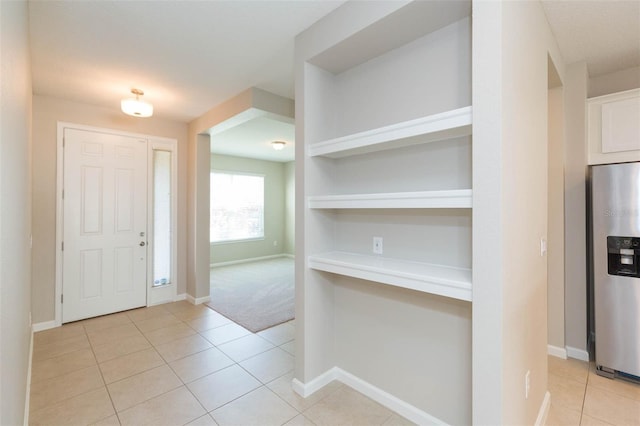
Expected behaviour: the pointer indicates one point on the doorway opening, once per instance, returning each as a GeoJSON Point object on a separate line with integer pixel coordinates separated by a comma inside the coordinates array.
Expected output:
{"type": "Point", "coordinates": [252, 218]}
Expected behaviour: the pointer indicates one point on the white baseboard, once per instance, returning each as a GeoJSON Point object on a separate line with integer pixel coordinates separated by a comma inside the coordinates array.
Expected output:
{"type": "Point", "coordinates": [544, 410]}
{"type": "Point", "coordinates": [179, 297]}
{"type": "Point", "coordinates": [251, 259]}
{"type": "Point", "coordinates": [290, 256]}
{"type": "Point", "coordinates": [384, 398]}
{"type": "Point", "coordinates": [161, 302]}
{"type": "Point", "coordinates": [557, 351]}
{"type": "Point", "coordinates": [305, 390]}
{"type": "Point", "coordinates": [41, 326]}
{"type": "Point", "coordinates": [27, 399]}
{"type": "Point", "coordinates": [576, 353]}
{"type": "Point", "coordinates": [197, 300]}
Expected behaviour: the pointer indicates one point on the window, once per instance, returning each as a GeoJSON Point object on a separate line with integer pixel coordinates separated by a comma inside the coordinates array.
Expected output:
{"type": "Point", "coordinates": [161, 217]}
{"type": "Point", "coordinates": [237, 207]}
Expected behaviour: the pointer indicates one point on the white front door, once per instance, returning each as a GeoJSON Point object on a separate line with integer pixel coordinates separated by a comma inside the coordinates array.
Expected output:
{"type": "Point", "coordinates": [105, 224]}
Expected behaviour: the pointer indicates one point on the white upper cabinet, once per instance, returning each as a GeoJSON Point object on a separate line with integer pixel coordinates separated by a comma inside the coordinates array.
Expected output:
{"type": "Point", "coordinates": [614, 128]}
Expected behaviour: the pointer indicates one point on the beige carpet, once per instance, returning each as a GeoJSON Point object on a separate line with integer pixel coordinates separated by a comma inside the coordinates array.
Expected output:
{"type": "Point", "coordinates": [256, 295]}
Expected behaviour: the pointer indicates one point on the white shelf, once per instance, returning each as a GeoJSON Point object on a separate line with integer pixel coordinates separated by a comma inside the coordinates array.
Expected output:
{"type": "Point", "coordinates": [445, 125]}
{"type": "Point", "coordinates": [435, 279]}
{"type": "Point", "coordinates": [453, 199]}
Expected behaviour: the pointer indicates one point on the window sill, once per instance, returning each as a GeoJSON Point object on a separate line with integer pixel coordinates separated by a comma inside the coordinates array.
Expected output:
{"type": "Point", "coordinates": [245, 240]}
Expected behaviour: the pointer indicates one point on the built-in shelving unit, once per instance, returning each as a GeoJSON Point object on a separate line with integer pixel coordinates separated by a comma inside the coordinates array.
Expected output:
{"type": "Point", "coordinates": [425, 277]}
{"type": "Point", "coordinates": [445, 125]}
{"type": "Point", "coordinates": [453, 199]}
{"type": "Point", "coordinates": [454, 282]}
{"type": "Point", "coordinates": [383, 99]}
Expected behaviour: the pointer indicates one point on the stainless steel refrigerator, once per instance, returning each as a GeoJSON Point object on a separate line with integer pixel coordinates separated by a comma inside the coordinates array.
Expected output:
{"type": "Point", "coordinates": [615, 216]}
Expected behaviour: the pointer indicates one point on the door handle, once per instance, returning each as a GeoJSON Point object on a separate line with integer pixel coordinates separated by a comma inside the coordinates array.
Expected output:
{"type": "Point", "coordinates": [142, 243]}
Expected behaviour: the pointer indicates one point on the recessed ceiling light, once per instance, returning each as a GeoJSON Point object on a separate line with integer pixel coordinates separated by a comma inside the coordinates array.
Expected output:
{"type": "Point", "coordinates": [278, 145]}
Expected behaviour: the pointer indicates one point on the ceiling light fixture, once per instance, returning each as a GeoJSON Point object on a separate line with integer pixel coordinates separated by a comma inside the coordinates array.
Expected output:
{"type": "Point", "coordinates": [136, 107]}
{"type": "Point", "coordinates": [278, 145]}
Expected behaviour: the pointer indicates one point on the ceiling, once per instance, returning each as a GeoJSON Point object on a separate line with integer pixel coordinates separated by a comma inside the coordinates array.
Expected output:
{"type": "Point", "coordinates": [604, 33]}
{"type": "Point", "coordinates": [189, 56]}
{"type": "Point", "coordinates": [253, 139]}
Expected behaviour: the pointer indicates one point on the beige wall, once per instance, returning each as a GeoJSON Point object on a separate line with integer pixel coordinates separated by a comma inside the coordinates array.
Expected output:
{"type": "Point", "coordinates": [512, 42]}
{"type": "Point", "coordinates": [289, 207]}
{"type": "Point", "coordinates": [555, 255]}
{"type": "Point", "coordinates": [15, 210]}
{"type": "Point", "coordinates": [618, 81]}
{"type": "Point", "coordinates": [575, 96]}
{"type": "Point", "coordinates": [274, 209]}
{"type": "Point", "coordinates": [47, 112]}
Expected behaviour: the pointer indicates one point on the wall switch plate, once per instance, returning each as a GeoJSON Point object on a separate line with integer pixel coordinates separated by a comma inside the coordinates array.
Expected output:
{"type": "Point", "coordinates": [527, 384]}
{"type": "Point", "coordinates": [543, 246]}
{"type": "Point", "coordinates": [377, 245]}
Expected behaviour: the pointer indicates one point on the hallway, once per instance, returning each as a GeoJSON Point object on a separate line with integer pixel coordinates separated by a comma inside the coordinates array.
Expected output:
{"type": "Point", "coordinates": [179, 364]}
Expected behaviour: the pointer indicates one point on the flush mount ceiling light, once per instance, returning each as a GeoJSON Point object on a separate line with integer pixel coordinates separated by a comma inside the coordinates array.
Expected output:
{"type": "Point", "coordinates": [136, 107]}
{"type": "Point", "coordinates": [278, 145]}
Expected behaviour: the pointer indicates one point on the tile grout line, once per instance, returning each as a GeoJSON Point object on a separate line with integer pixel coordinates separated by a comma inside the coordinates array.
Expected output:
{"type": "Point", "coordinates": [184, 385]}
{"type": "Point", "coordinates": [584, 395]}
{"type": "Point", "coordinates": [237, 363]}
{"type": "Point", "coordinates": [165, 363]}
{"type": "Point", "coordinates": [102, 375]}
{"type": "Point", "coordinates": [74, 371]}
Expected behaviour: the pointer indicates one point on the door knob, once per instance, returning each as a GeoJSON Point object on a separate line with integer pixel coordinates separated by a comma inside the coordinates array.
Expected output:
{"type": "Point", "coordinates": [142, 243]}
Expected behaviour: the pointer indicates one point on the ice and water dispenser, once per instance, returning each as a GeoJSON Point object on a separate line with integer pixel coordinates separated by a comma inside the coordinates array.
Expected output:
{"type": "Point", "coordinates": [623, 255]}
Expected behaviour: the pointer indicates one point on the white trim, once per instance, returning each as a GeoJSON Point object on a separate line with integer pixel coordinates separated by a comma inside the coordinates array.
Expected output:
{"type": "Point", "coordinates": [179, 297]}
{"type": "Point", "coordinates": [393, 403]}
{"type": "Point", "coordinates": [450, 199]}
{"type": "Point", "coordinates": [46, 325]}
{"type": "Point", "coordinates": [557, 351]}
{"type": "Point", "coordinates": [305, 390]}
{"type": "Point", "coordinates": [442, 280]}
{"type": "Point", "coordinates": [238, 241]}
{"type": "Point", "coordinates": [248, 260]}
{"type": "Point", "coordinates": [401, 407]}
{"type": "Point", "coordinates": [541, 420]}
{"type": "Point", "coordinates": [445, 125]}
{"type": "Point", "coordinates": [27, 399]}
{"type": "Point", "coordinates": [288, 255]}
{"type": "Point", "coordinates": [171, 297]}
{"type": "Point", "coordinates": [61, 125]}
{"type": "Point", "coordinates": [59, 223]}
{"type": "Point", "coordinates": [197, 300]}
{"type": "Point", "coordinates": [158, 295]}
{"type": "Point", "coordinates": [576, 353]}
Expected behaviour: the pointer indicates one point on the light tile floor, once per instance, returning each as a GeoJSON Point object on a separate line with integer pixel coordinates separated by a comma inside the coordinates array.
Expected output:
{"type": "Point", "coordinates": [178, 364]}
{"type": "Point", "coordinates": [580, 397]}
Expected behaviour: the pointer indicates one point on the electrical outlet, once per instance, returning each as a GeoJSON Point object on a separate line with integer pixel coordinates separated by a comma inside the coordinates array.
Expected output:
{"type": "Point", "coordinates": [527, 384]}
{"type": "Point", "coordinates": [377, 245]}
{"type": "Point", "coordinates": [275, 243]}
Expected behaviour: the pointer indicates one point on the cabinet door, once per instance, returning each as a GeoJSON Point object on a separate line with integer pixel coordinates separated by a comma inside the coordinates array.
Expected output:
{"type": "Point", "coordinates": [621, 125]}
